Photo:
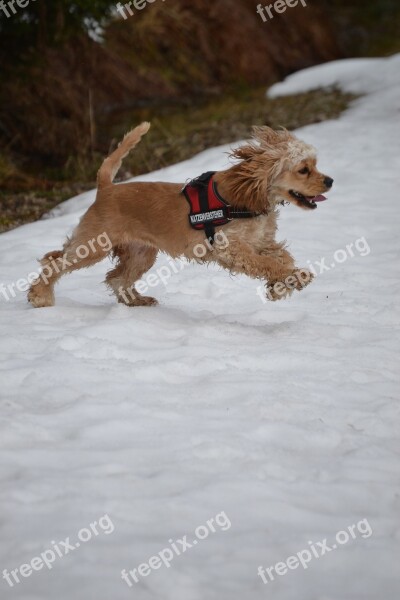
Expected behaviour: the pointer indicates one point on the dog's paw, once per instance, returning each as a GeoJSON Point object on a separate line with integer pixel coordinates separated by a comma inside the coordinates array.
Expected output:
{"type": "Point", "coordinates": [138, 301]}
{"type": "Point", "coordinates": [41, 296]}
{"type": "Point", "coordinates": [303, 278]}
{"type": "Point", "coordinates": [284, 287]}
{"type": "Point", "coordinates": [147, 301]}
{"type": "Point", "coordinates": [277, 291]}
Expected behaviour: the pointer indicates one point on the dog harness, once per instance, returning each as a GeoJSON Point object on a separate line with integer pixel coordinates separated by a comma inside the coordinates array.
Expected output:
{"type": "Point", "coordinates": [207, 207]}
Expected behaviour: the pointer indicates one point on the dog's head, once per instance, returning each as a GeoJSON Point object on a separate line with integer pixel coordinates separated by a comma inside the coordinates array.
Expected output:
{"type": "Point", "coordinates": [284, 168]}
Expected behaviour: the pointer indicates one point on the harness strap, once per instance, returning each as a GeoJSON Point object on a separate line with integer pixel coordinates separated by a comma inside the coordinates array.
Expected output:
{"type": "Point", "coordinates": [203, 200]}
{"type": "Point", "coordinates": [208, 208]}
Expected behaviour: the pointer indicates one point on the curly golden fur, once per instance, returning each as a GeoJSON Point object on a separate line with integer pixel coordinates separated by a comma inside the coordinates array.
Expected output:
{"type": "Point", "coordinates": [142, 219]}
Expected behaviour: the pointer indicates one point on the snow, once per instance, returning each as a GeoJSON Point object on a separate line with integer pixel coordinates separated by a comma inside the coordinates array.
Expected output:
{"type": "Point", "coordinates": [354, 75]}
{"type": "Point", "coordinates": [283, 415]}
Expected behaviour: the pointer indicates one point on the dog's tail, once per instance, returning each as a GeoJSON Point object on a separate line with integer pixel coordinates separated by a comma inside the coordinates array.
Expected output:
{"type": "Point", "coordinates": [112, 163]}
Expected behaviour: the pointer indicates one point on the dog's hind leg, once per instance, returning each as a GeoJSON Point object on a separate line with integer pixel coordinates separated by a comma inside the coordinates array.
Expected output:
{"type": "Point", "coordinates": [74, 255]}
{"type": "Point", "coordinates": [134, 260]}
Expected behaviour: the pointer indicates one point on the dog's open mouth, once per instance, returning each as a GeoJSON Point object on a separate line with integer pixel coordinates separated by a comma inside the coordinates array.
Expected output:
{"type": "Point", "coordinates": [308, 201]}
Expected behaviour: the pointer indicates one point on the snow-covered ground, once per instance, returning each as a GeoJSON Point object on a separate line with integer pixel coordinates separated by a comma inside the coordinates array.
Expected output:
{"type": "Point", "coordinates": [285, 415]}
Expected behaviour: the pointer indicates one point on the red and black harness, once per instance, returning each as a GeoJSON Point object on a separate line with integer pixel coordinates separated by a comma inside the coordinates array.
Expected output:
{"type": "Point", "coordinates": [207, 207]}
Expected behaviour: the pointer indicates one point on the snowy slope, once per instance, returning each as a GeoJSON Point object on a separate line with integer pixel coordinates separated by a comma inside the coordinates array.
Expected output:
{"type": "Point", "coordinates": [284, 415]}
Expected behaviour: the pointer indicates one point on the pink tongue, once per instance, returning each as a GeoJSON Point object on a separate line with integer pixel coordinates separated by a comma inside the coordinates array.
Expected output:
{"type": "Point", "coordinates": [320, 198]}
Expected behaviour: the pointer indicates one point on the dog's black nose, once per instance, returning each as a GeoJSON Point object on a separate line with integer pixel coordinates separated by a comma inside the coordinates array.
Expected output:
{"type": "Point", "coordinates": [328, 181]}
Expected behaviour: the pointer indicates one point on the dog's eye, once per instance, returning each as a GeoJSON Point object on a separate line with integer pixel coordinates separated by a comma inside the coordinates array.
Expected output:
{"type": "Point", "coordinates": [304, 171]}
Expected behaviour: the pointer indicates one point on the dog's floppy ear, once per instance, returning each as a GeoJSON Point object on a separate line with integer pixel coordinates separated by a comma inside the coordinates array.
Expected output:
{"type": "Point", "coordinates": [265, 139]}
{"type": "Point", "coordinates": [268, 137]}
{"type": "Point", "coordinates": [246, 152]}
{"type": "Point", "coordinates": [265, 135]}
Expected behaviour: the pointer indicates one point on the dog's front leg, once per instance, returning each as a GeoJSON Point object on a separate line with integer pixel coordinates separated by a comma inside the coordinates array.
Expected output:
{"type": "Point", "coordinates": [299, 278]}
{"type": "Point", "coordinates": [280, 252]}
{"type": "Point", "coordinates": [239, 257]}
{"type": "Point", "coordinates": [282, 275]}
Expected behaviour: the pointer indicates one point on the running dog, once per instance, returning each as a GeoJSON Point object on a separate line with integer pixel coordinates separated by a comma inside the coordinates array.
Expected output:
{"type": "Point", "coordinates": [142, 219]}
